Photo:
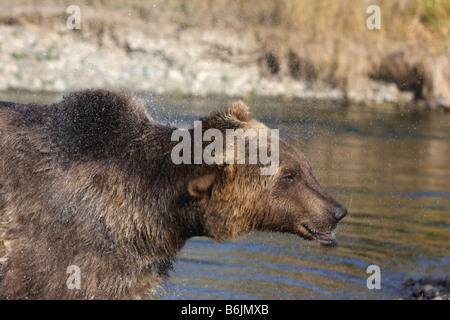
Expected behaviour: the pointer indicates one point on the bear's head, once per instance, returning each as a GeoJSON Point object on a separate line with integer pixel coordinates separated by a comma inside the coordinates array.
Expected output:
{"type": "Point", "coordinates": [237, 196]}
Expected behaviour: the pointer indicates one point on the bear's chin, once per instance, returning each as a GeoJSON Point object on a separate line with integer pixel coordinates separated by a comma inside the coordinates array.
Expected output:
{"type": "Point", "coordinates": [327, 239]}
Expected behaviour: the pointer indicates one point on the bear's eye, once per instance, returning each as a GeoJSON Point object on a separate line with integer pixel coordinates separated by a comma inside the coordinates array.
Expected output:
{"type": "Point", "coordinates": [288, 178]}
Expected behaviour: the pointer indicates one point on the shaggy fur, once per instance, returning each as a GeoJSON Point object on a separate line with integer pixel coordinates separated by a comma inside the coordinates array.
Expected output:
{"type": "Point", "coordinates": [89, 182]}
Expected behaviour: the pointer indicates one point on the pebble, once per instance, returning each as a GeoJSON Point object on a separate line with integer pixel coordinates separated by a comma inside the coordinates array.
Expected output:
{"type": "Point", "coordinates": [427, 288]}
{"type": "Point", "coordinates": [447, 283]}
{"type": "Point", "coordinates": [409, 282]}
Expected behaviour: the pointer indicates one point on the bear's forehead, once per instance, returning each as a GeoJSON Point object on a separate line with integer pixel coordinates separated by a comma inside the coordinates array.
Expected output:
{"type": "Point", "coordinates": [292, 158]}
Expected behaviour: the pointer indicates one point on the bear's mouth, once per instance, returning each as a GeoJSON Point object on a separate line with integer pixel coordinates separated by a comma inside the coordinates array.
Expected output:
{"type": "Point", "coordinates": [325, 238]}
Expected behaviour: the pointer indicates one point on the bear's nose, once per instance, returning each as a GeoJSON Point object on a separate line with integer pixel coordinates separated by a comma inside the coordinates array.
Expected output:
{"type": "Point", "coordinates": [340, 212]}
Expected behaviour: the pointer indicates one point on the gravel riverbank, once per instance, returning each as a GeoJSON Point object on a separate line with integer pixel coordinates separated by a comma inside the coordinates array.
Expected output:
{"type": "Point", "coordinates": [123, 51]}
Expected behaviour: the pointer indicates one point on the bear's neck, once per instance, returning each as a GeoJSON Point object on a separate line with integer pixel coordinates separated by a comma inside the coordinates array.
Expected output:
{"type": "Point", "coordinates": [168, 216]}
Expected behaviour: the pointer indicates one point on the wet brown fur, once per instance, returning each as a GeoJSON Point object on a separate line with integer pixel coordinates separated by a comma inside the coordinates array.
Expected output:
{"type": "Point", "coordinates": [89, 182]}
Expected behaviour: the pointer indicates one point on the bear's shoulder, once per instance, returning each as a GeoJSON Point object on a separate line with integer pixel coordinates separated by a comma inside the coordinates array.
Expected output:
{"type": "Point", "coordinates": [100, 107]}
{"type": "Point", "coordinates": [97, 122]}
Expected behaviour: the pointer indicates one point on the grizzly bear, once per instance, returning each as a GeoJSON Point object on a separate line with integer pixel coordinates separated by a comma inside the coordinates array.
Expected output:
{"type": "Point", "coordinates": [93, 207]}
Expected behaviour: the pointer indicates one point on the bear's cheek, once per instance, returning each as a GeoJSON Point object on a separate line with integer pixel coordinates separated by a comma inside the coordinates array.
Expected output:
{"type": "Point", "coordinates": [286, 214]}
{"type": "Point", "coordinates": [293, 214]}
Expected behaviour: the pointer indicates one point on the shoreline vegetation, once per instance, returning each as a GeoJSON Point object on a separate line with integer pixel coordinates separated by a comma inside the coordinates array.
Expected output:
{"type": "Point", "coordinates": [294, 49]}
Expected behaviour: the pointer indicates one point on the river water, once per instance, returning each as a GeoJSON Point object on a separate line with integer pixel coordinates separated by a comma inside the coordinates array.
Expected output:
{"type": "Point", "coordinates": [390, 168]}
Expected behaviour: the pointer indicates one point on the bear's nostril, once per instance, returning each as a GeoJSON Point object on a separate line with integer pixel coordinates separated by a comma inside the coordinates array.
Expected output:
{"type": "Point", "coordinates": [340, 212]}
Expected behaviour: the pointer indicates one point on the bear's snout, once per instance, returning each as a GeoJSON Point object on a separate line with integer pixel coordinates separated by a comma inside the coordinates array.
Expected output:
{"type": "Point", "coordinates": [340, 212]}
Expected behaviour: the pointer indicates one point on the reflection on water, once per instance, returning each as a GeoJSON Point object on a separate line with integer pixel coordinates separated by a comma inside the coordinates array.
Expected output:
{"type": "Point", "coordinates": [390, 168]}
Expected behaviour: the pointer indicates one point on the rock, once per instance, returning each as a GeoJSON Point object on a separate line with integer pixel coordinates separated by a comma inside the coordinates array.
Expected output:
{"type": "Point", "coordinates": [428, 291]}
{"type": "Point", "coordinates": [400, 68]}
{"type": "Point", "coordinates": [427, 288]}
{"type": "Point", "coordinates": [447, 283]}
{"type": "Point", "coordinates": [439, 77]}
{"type": "Point", "coordinates": [409, 282]}
{"type": "Point", "coordinates": [426, 280]}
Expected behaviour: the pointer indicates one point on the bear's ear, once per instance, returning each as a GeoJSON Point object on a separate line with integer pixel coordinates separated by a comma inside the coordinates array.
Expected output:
{"type": "Point", "coordinates": [200, 187]}
{"type": "Point", "coordinates": [240, 111]}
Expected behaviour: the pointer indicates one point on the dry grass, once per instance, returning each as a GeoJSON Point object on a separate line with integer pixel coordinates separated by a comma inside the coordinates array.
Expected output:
{"type": "Point", "coordinates": [401, 20]}
{"type": "Point", "coordinates": [404, 19]}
